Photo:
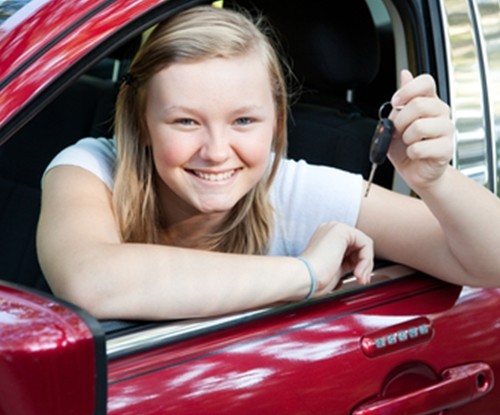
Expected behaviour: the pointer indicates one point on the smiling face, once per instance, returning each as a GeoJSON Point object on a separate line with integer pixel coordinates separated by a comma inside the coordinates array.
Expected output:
{"type": "Point", "coordinates": [211, 126]}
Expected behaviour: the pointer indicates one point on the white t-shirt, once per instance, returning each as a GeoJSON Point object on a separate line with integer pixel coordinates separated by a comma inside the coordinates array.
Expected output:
{"type": "Point", "coordinates": [303, 195]}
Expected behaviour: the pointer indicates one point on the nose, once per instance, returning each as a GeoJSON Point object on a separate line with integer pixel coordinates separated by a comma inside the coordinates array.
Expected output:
{"type": "Point", "coordinates": [216, 146]}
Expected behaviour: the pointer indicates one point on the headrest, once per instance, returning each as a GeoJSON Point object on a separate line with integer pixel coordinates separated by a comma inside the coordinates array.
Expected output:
{"type": "Point", "coordinates": [329, 47]}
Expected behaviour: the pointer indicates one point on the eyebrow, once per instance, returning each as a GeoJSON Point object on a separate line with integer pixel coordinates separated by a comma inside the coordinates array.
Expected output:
{"type": "Point", "coordinates": [166, 110]}
{"type": "Point", "coordinates": [245, 108]}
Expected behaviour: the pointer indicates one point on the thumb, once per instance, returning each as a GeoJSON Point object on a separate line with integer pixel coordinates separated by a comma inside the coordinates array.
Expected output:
{"type": "Point", "coordinates": [406, 77]}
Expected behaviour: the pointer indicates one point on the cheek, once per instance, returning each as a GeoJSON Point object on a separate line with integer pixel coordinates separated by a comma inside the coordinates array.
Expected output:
{"type": "Point", "coordinates": [257, 151]}
{"type": "Point", "coordinates": [258, 155]}
{"type": "Point", "coordinates": [170, 152]}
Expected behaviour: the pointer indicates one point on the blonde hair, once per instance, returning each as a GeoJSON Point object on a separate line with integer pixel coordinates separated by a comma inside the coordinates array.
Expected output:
{"type": "Point", "coordinates": [202, 32]}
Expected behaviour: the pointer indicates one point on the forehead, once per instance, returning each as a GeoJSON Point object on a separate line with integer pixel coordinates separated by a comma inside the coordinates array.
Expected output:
{"type": "Point", "coordinates": [224, 61]}
{"type": "Point", "coordinates": [219, 77]}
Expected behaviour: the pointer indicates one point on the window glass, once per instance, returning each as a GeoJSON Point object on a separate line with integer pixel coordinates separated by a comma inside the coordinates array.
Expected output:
{"type": "Point", "coordinates": [379, 12]}
{"type": "Point", "coordinates": [9, 7]}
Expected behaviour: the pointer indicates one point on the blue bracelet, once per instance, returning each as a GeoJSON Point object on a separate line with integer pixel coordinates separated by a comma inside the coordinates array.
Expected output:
{"type": "Point", "coordinates": [312, 275]}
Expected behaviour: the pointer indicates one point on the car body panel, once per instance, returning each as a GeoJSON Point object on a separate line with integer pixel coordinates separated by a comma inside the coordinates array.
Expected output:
{"type": "Point", "coordinates": [340, 354]}
{"type": "Point", "coordinates": [48, 356]}
{"type": "Point", "coordinates": [310, 360]}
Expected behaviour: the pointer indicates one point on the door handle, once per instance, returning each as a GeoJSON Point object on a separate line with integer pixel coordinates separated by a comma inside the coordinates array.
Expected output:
{"type": "Point", "coordinates": [459, 385]}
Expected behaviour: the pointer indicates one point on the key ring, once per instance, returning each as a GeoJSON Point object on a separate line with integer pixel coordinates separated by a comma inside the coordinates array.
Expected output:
{"type": "Point", "coordinates": [384, 106]}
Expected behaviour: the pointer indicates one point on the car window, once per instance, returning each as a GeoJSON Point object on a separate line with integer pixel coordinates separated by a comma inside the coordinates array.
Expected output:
{"type": "Point", "coordinates": [9, 7]}
{"type": "Point", "coordinates": [94, 94]}
{"type": "Point", "coordinates": [379, 12]}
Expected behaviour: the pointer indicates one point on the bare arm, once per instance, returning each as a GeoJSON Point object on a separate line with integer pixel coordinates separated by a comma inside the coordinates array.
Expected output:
{"type": "Point", "coordinates": [453, 232]}
{"type": "Point", "coordinates": [85, 262]}
{"type": "Point", "coordinates": [453, 242]}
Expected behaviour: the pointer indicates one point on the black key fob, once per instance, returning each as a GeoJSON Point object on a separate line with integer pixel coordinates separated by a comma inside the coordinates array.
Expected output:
{"type": "Point", "coordinates": [381, 141]}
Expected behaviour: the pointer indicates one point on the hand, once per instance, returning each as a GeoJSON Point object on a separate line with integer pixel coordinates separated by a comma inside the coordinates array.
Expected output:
{"type": "Point", "coordinates": [422, 145]}
{"type": "Point", "coordinates": [336, 249]}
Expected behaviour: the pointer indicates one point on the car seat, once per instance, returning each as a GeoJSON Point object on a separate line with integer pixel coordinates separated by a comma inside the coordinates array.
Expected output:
{"type": "Point", "coordinates": [334, 52]}
{"type": "Point", "coordinates": [84, 109]}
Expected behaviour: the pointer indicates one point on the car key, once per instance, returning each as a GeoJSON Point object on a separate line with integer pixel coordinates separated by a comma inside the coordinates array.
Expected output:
{"type": "Point", "coordinates": [379, 147]}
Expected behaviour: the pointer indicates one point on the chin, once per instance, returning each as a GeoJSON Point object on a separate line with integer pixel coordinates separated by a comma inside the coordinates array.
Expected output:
{"type": "Point", "coordinates": [216, 208]}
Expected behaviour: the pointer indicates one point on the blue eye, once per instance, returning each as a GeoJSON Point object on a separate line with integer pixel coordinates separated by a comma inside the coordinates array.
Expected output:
{"type": "Point", "coordinates": [185, 121]}
{"type": "Point", "coordinates": [244, 121]}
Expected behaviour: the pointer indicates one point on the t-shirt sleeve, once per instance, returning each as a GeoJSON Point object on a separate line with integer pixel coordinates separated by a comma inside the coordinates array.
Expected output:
{"type": "Point", "coordinates": [97, 155]}
{"type": "Point", "coordinates": [304, 196]}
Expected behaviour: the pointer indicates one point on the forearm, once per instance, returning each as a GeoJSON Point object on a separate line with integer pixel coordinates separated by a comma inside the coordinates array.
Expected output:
{"type": "Point", "coordinates": [84, 262]}
{"type": "Point", "coordinates": [157, 282]}
{"type": "Point", "coordinates": [469, 216]}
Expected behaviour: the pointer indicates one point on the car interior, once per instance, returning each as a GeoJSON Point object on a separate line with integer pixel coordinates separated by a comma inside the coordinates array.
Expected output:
{"type": "Point", "coordinates": [344, 66]}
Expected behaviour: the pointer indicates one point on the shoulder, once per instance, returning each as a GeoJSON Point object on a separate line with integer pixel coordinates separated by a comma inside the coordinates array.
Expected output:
{"type": "Point", "coordinates": [300, 177]}
{"type": "Point", "coordinates": [305, 196]}
{"type": "Point", "coordinates": [97, 155]}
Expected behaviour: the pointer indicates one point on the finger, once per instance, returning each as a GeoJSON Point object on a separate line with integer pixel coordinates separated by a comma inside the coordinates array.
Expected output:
{"type": "Point", "coordinates": [424, 106]}
{"type": "Point", "coordinates": [360, 257]}
{"type": "Point", "coordinates": [427, 128]}
{"type": "Point", "coordinates": [363, 271]}
{"type": "Point", "coordinates": [364, 268]}
{"type": "Point", "coordinates": [406, 77]}
{"type": "Point", "coordinates": [422, 85]}
{"type": "Point", "coordinates": [396, 101]}
{"type": "Point", "coordinates": [439, 149]}
{"type": "Point", "coordinates": [423, 118]}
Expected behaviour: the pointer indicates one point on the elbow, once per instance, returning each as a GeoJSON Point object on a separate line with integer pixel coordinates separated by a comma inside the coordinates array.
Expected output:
{"type": "Point", "coordinates": [84, 286]}
{"type": "Point", "coordinates": [81, 291]}
{"type": "Point", "coordinates": [484, 279]}
{"type": "Point", "coordinates": [480, 277]}
{"type": "Point", "coordinates": [87, 277]}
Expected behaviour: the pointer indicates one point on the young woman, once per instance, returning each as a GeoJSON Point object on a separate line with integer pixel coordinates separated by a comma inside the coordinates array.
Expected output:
{"type": "Point", "coordinates": [193, 211]}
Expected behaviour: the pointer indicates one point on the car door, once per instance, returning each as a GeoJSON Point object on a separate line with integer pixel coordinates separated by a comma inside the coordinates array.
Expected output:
{"type": "Point", "coordinates": [408, 343]}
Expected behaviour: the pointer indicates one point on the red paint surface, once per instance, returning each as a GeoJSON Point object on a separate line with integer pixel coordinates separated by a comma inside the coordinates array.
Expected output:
{"type": "Point", "coordinates": [307, 360]}
{"type": "Point", "coordinates": [311, 361]}
{"type": "Point", "coordinates": [47, 363]}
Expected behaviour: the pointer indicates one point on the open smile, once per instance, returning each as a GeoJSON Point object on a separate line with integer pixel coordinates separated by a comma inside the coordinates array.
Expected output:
{"type": "Point", "coordinates": [214, 176]}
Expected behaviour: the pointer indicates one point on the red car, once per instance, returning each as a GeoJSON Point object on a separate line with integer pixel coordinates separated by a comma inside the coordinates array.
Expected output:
{"type": "Point", "coordinates": [406, 344]}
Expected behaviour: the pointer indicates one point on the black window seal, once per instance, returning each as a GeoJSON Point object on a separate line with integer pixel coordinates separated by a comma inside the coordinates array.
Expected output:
{"type": "Point", "coordinates": [49, 45]}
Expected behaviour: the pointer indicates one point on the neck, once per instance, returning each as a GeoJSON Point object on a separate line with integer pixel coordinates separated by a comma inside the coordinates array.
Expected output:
{"type": "Point", "coordinates": [183, 225]}
{"type": "Point", "coordinates": [191, 231]}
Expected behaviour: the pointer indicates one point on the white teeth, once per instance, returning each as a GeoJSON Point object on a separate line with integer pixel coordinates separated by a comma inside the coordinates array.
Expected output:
{"type": "Point", "coordinates": [214, 177]}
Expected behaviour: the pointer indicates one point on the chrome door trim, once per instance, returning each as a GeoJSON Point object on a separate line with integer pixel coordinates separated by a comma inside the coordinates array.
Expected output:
{"type": "Point", "coordinates": [169, 332]}
{"type": "Point", "coordinates": [488, 28]}
{"type": "Point", "coordinates": [472, 31]}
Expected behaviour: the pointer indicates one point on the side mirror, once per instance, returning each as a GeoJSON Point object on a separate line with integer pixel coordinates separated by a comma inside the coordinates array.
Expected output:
{"type": "Point", "coordinates": [52, 356]}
